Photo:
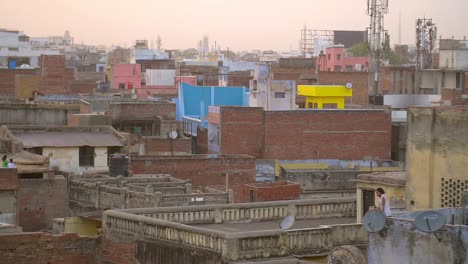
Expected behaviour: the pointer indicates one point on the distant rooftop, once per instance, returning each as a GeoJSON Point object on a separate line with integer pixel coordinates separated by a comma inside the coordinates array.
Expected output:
{"type": "Point", "coordinates": [394, 178]}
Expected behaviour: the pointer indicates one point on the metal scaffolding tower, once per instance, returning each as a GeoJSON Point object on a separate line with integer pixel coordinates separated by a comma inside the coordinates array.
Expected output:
{"type": "Point", "coordinates": [310, 36]}
{"type": "Point", "coordinates": [377, 38]}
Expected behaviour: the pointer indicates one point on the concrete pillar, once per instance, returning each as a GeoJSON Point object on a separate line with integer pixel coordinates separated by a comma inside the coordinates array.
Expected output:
{"type": "Point", "coordinates": [359, 205]}
{"type": "Point", "coordinates": [188, 187]}
{"type": "Point", "coordinates": [149, 189]}
{"type": "Point", "coordinates": [230, 196]}
{"type": "Point", "coordinates": [157, 199]}
{"type": "Point", "coordinates": [123, 197]}
{"type": "Point", "coordinates": [465, 207]}
{"type": "Point", "coordinates": [119, 180]}
{"type": "Point", "coordinates": [98, 194]}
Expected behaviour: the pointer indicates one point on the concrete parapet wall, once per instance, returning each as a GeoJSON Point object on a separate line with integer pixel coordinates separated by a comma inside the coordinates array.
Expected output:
{"type": "Point", "coordinates": [170, 225]}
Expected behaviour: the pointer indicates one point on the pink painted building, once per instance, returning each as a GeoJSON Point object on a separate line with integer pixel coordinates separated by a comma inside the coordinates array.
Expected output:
{"type": "Point", "coordinates": [125, 76]}
{"type": "Point", "coordinates": [192, 80]}
{"type": "Point", "coordinates": [164, 91]}
{"type": "Point", "coordinates": [336, 60]}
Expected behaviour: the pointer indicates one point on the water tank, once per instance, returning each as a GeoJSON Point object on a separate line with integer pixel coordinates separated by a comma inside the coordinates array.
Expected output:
{"type": "Point", "coordinates": [118, 165]}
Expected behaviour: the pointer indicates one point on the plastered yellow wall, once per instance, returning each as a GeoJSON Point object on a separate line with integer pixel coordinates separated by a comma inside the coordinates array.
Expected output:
{"type": "Point", "coordinates": [437, 148]}
{"type": "Point", "coordinates": [392, 192]}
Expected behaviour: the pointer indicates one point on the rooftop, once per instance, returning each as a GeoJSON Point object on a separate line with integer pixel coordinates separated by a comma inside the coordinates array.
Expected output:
{"type": "Point", "coordinates": [55, 136]}
{"type": "Point", "coordinates": [392, 178]}
{"type": "Point", "coordinates": [275, 224]}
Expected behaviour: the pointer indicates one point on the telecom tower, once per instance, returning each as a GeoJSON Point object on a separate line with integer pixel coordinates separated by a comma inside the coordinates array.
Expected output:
{"type": "Point", "coordinates": [426, 36]}
{"type": "Point", "coordinates": [377, 38]}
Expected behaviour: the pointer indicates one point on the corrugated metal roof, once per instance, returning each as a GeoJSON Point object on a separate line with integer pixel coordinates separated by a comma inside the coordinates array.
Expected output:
{"type": "Point", "coordinates": [67, 139]}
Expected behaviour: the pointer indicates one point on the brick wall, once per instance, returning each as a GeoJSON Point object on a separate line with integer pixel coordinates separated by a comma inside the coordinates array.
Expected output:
{"type": "Point", "coordinates": [7, 79]}
{"type": "Point", "coordinates": [8, 179]}
{"type": "Point", "coordinates": [454, 96]}
{"type": "Point", "coordinates": [358, 79]}
{"type": "Point", "coordinates": [156, 64]}
{"type": "Point", "coordinates": [41, 200]}
{"type": "Point", "coordinates": [240, 78]}
{"type": "Point", "coordinates": [308, 134]}
{"type": "Point", "coordinates": [73, 120]}
{"type": "Point", "coordinates": [166, 110]}
{"type": "Point", "coordinates": [25, 85]}
{"type": "Point", "coordinates": [203, 170]}
{"type": "Point", "coordinates": [85, 107]}
{"type": "Point", "coordinates": [117, 252]}
{"type": "Point", "coordinates": [81, 87]}
{"type": "Point", "coordinates": [55, 76]}
{"type": "Point", "coordinates": [465, 90]}
{"type": "Point", "coordinates": [242, 130]}
{"type": "Point", "coordinates": [264, 192]}
{"type": "Point", "coordinates": [41, 248]}
{"type": "Point", "coordinates": [163, 145]}
{"type": "Point", "coordinates": [345, 134]}
{"type": "Point", "coordinates": [202, 141]}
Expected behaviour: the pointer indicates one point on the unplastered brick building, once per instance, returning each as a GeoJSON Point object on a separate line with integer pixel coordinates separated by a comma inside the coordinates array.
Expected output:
{"type": "Point", "coordinates": [355, 134]}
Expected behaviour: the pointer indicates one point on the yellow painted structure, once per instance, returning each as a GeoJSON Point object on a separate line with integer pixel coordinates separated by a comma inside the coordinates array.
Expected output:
{"type": "Point", "coordinates": [319, 95]}
{"type": "Point", "coordinates": [82, 226]}
{"type": "Point", "coordinates": [437, 157]}
{"type": "Point", "coordinates": [311, 165]}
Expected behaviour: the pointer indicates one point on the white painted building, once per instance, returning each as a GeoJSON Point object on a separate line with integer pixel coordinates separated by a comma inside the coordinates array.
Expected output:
{"type": "Point", "coordinates": [16, 50]}
{"type": "Point", "coordinates": [75, 150]}
{"type": "Point", "coordinates": [271, 94]}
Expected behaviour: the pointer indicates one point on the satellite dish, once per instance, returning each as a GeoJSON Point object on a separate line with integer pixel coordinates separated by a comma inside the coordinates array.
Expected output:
{"type": "Point", "coordinates": [374, 221]}
{"type": "Point", "coordinates": [287, 222]}
{"type": "Point", "coordinates": [430, 221]}
{"type": "Point", "coordinates": [349, 85]}
{"type": "Point", "coordinates": [173, 134]}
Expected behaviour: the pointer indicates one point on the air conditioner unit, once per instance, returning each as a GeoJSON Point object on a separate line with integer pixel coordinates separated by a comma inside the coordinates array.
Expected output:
{"type": "Point", "coordinates": [358, 67]}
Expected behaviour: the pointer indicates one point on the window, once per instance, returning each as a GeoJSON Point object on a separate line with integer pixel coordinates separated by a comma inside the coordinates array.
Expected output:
{"type": "Point", "coordinates": [86, 156]}
{"type": "Point", "coordinates": [329, 106]}
{"type": "Point", "coordinates": [338, 68]}
{"type": "Point", "coordinates": [443, 80]}
{"type": "Point", "coordinates": [338, 56]}
{"type": "Point", "coordinates": [349, 67]}
{"type": "Point", "coordinates": [13, 49]}
{"type": "Point", "coordinates": [460, 80]}
{"type": "Point", "coordinates": [254, 85]}
{"type": "Point", "coordinates": [253, 196]}
{"type": "Point", "coordinates": [280, 95]}
{"type": "Point", "coordinates": [121, 85]}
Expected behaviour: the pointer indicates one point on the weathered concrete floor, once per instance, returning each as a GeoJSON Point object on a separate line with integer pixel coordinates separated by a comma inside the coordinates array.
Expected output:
{"type": "Point", "coordinates": [270, 225]}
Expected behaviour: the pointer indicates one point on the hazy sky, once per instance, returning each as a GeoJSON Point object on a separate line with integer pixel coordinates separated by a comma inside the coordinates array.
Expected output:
{"type": "Point", "coordinates": [238, 24]}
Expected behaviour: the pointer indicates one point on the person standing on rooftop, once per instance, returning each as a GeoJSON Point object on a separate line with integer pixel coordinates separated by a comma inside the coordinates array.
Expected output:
{"type": "Point", "coordinates": [11, 165]}
{"type": "Point", "coordinates": [384, 204]}
{"type": "Point", "coordinates": [4, 161]}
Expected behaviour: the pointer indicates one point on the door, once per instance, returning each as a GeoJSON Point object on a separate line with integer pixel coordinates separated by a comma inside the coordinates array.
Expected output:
{"type": "Point", "coordinates": [12, 64]}
{"type": "Point", "coordinates": [368, 198]}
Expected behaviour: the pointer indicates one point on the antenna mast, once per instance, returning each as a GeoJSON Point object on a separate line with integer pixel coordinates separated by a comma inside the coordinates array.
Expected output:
{"type": "Point", "coordinates": [377, 37]}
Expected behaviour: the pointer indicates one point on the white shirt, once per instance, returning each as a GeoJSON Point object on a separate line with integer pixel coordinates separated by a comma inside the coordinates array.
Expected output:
{"type": "Point", "coordinates": [386, 210]}
{"type": "Point", "coordinates": [11, 165]}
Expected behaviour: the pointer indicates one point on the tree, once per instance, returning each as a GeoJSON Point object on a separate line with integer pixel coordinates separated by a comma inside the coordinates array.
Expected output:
{"type": "Point", "coordinates": [359, 50]}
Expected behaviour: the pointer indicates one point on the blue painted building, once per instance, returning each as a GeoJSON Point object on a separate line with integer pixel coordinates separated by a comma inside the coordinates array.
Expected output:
{"type": "Point", "coordinates": [193, 100]}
